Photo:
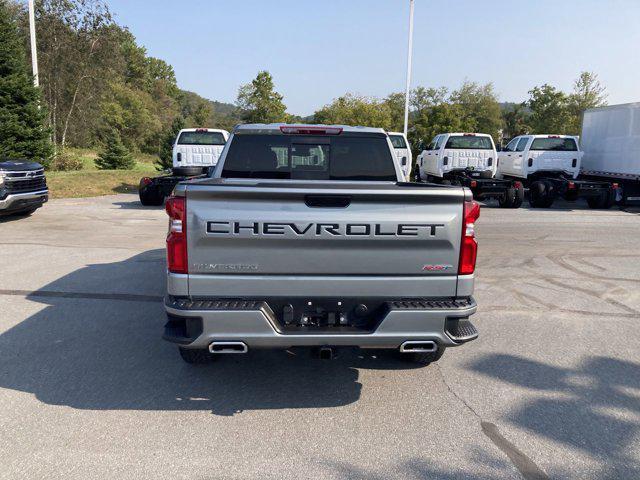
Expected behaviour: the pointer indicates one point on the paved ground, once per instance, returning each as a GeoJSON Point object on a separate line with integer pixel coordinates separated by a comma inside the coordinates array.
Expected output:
{"type": "Point", "coordinates": [88, 390]}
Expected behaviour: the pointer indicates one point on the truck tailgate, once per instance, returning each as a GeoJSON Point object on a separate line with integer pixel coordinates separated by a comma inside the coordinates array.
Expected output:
{"type": "Point", "coordinates": [323, 229]}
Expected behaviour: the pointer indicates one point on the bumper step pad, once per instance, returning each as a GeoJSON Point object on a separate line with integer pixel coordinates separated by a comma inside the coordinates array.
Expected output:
{"type": "Point", "coordinates": [461, 330]}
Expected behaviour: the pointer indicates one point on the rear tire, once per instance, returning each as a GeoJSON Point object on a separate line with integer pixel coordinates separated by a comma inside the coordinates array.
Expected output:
{"type": "Point", "coordinates": [541, 194]}
{"type": "Point", "coordinates": [151, 196]}
{"type": "Point", "coordinates": [195, 356]}
{"type": "Point", "coordinates": [422, 359]}
{"type": "Point", "coordinates": [603, 201]}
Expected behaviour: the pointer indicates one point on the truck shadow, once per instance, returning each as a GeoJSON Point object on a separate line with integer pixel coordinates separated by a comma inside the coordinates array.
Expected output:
{"type": "Point", "coordinates": [94, 343]}
{"type": "Point", "coordinates": [593, 408]}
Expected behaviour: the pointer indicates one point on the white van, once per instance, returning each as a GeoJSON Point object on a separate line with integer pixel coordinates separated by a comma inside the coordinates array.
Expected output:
{"type": "Point", "coordinates": [527, 155]}
{"type": "Point", "coordinates": [402, 151]}
{"type": "Point", "coordinates": [450, 154]}
{"type": "Point", "coordinates": [197, 149]}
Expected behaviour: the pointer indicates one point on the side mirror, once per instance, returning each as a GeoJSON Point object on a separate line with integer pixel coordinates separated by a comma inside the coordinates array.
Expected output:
{"type": "Point", "coordinates": [498, 148]}
{"type": "Point", "coordinates": [404, 161]}
{"type": "Point", "coordinates": [210, 170]}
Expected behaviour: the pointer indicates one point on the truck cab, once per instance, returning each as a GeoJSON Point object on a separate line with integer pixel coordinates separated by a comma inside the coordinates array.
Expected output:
{"type": "Point", "coordinates": [402, 151]}
{"type": "Point", "coordinates": [451, 153]}
{"type": "Point", "coordinates": [549, 165]}
{"type": "Point", "coordinates": [468, 160]}
{"type": "Point", "coordinates": [526, 155]}
{"type": "Point", "coordinates": [197, 149]}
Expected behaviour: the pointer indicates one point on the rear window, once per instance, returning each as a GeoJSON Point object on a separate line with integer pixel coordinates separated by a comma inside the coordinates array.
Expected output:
{"type": "Point", "coordinates": [555, 144]}
{"type": "Point", "coordinates": [201, 138]}
{"type": "Point", "coordinates": [308, 157]}
{"type": "Point", "coordinates": [471, 142]}
{"type": "Point", "coordinates": [398, 141]}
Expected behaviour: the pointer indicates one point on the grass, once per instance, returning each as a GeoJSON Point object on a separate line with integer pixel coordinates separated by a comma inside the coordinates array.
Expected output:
{"type": "Point", "coordinates": [91, 182]}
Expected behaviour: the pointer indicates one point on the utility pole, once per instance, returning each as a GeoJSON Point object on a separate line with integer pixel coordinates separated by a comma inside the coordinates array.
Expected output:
{"type": "Point", "coordinates": [34, 50]}
{"type": "Point", "coordinates": [409, 55]}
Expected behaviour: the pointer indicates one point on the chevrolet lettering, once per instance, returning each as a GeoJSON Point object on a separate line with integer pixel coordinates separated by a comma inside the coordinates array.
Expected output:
{"type": "Point", "coordinates": [317, 229]}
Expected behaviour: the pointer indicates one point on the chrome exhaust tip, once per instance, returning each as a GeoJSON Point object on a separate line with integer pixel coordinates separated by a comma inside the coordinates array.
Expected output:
{"type": "Point", "coordinates": [418, 347]}
{"type": "Point", "coordinates": [228, 347]}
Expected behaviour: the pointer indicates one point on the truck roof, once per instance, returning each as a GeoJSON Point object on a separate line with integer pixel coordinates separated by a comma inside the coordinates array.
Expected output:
{"type": "Point", "coordinates": [275, 127]}
{"type": "Point", "coordinates": [468, 133]}
{"type": "Point", "coordinates": [547, 135]}
{"type": "Point", "coordinates": [203, 129]}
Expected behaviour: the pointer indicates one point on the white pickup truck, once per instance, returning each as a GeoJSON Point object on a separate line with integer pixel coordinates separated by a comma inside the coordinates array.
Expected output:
{"type": "Point", "coordinates": [403, 152]}
{"type": "Point", "coordinates": [549, 166]}
{"type": "Point", "coordinates": [195, 151]}
{"type": "Point", "coordinates": [469, 160]}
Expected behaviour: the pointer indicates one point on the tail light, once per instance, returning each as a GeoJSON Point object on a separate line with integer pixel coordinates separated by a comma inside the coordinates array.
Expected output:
{"type": "Point", "coordinates": [177, 238]}
{"type": "Point", "coordinates": [469, 245]}
{"type": "Point", "coordinates": [571, 186]}
{"type": "Point", "coordinates": [474, 183]}
{"type": "Point", "coordinates": [145, 181]}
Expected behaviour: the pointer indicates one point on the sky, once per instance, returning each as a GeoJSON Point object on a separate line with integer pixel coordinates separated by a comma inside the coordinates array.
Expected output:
{"type": "Point", "coordinates": [317, 50]}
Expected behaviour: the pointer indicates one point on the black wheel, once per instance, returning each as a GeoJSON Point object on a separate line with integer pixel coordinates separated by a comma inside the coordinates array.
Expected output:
{"type": "Point", "coordinates": [150, 195]}
{"type": "Point", "coordinates": [506, 201]}
{"type": "Point", "coordinates": [423, 359]}
{"type": "Point", "coordinates": [602, 201]}
{"type": "Point", "coordinates": [541, 194]}
{"type": "Point", "coordinates": [195, 356]}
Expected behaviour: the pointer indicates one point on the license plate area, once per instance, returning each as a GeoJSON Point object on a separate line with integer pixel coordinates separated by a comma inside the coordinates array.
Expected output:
{"type": "Point", "coordinates": [328, 315]}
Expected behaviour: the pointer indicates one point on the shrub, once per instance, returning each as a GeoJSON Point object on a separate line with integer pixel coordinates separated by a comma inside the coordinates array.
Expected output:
{"type": "Point", "coordinates": [64, 162]}
{"type": "Point", "coordinates": [115, 155]}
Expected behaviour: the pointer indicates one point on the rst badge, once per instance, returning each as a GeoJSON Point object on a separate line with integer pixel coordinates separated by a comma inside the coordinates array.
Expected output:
{"type": "Point", "coordinates": [437, 268]}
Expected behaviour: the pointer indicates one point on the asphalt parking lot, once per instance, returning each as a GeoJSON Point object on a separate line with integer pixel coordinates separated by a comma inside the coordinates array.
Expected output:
{"type": "Point", "coordinates": [88, 389]}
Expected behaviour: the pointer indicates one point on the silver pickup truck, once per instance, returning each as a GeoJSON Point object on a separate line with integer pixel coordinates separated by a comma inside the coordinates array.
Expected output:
{"type": "Point", "coordinates": [306, 236]}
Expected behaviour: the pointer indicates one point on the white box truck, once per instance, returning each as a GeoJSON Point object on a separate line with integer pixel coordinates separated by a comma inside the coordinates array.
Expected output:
{"type": "Point", "coordinates": [611, 144]}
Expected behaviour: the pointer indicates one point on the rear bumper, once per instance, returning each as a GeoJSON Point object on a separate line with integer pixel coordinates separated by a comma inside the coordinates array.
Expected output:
{"type": "Point", "coordinates": [23, 201]}
{"type": "Point", "coordinates": [195, 324]}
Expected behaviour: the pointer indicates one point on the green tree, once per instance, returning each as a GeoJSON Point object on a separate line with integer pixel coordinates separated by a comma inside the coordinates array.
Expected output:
{"type": "Point", "coordinates": [588, 92]}
{"type": "Point", "coordinates": [165, 153]}
{"type": "Point", "coordinates": [479, 108]}
{"type": "Point", "coordinates": [549, 110]}
{"type": "Point", "coordinates": [203, 115]}
{"type": "Point", "coordinates": [395, 103]}
{"type": "Point", "coordinates": [259, 102]}
{"type": "Point", "coordinates": [22, 132]}
{"type": "Point", "coordinates": [514, 121]}
{"type": "Point", "coordinates": [115, 156]}
{"type": "Point", "coordinates": [429, 122]}
{"type": "Point", "coordinates": [353, 109]}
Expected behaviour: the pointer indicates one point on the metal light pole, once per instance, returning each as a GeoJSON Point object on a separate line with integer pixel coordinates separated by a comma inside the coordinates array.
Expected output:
{"type": "Point", "coordinates": [34, 50]}
{"type": "Point", "coordinates": [409, 55]}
